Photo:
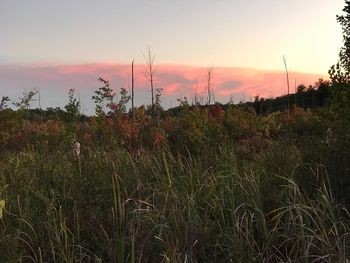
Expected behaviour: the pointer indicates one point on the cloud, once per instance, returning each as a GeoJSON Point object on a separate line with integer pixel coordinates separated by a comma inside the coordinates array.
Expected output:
{"type": "Point", "coordinates": [176, 81]}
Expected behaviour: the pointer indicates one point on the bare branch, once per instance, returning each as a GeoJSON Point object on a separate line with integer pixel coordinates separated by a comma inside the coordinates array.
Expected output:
{"type": "Point", "coordinates": [210, 75]}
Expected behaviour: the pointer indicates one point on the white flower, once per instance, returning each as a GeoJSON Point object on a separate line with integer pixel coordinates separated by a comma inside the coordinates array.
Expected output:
{"type": "Point", "coordinates": [76, 149]}
{"type": "Point", "coordinates": [2, 206]}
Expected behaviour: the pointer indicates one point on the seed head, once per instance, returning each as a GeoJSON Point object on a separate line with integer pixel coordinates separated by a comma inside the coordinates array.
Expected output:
{"type": "Point", "coordinates": [2, 206]}
{"type": "Point", "coordinates": [76, 149]}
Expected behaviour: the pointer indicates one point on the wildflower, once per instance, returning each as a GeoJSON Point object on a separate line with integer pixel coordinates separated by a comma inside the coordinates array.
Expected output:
{"type": "Point", "coordinates": [76, 149]}
{"type": "Point", "coordinates": [330, 137]}
{"type": "Point", "coordinates": [2, 206]}
{"type": "Point", "coordinates": [114, 107]}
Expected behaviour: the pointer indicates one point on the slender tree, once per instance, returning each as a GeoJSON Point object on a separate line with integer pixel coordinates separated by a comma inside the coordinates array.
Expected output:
{"type": "Point", "coordinates": [287, 75]}
{"type": "Point", "coordinates": [196, 97]}
{"type": "Point", "coordinates": [27, 98]}
{"type": "Point", "coordinates": [132, 90]}
{"type": "Point", "coordinates": [149, 72]}
{"type": "Point", "coordinates": [23, 104]}
{"type": "Point", "coordinates": [73, 105]}
{"type": "Point", "coordinates": [210, 75]}
{"type": "Point", "coordinates": [123, 101]}
{"type": "Point", "coordinates": [103, 98]}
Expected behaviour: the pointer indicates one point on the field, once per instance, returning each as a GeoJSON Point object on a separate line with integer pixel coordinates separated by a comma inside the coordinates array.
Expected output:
{"type": "Point", "coordinates": [216, 183]}
{"type": "Point", "coordinates": [149, 160]}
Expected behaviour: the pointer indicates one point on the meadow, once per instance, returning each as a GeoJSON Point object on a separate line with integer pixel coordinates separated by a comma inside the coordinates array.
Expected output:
{"type": "Point", "coordinates": [214, 183]}
{"type": "Point", "coordinates": [260, 181]}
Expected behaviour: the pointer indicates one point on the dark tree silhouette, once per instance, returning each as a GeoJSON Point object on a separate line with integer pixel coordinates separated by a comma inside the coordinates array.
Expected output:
{"type": "Point", "coordinates": [340, 72]}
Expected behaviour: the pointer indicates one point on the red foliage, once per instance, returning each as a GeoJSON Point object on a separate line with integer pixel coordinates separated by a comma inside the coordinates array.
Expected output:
{"type": "Point", "coordinates": [108, 122]}
{"type": "Point", "coordinates": [216, 113]}
{"type": "Point", "coordinates": [19, 138]}
{"type": "Point", "coordinates": [159, 139]}
{"type": "Point", "coordinates": [114, 107]}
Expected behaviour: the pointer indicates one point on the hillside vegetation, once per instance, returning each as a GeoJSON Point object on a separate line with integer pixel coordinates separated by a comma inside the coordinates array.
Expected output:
{"type": "Point", "coordinates": [192, 184]}
{"type": "Point", "coordinates": [265, 181]}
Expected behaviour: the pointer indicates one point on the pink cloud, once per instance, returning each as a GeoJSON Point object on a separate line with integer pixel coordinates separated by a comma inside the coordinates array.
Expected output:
{"type": "Point", "coordinates": [171, 89]}
{"type": "Point", "coordinates": [176, 80]}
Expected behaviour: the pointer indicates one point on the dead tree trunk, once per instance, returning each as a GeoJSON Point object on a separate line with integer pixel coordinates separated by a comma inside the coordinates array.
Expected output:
{"type": "Point", "coordinates": [285, 66]}
{"type": "Point", "coordinates": [132, 91]}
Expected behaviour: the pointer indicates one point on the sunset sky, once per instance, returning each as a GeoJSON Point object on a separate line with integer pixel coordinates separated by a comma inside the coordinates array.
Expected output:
{"type": "Point", "coordinates": [57, 45]}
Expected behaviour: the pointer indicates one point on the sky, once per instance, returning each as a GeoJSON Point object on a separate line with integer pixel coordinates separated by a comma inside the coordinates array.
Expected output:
{"type": "Point", "coordinates": [57, 45]}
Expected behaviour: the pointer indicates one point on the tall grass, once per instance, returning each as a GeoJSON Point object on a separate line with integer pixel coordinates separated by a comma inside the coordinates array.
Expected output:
{"type": "Point", "coordinates": [165, 207]}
